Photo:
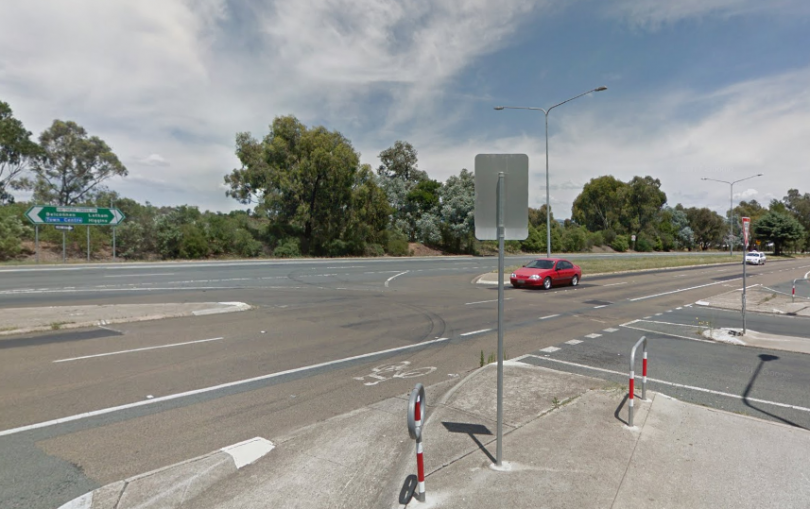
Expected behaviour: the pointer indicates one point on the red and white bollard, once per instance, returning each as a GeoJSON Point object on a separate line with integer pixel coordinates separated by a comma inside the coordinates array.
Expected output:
{"type": "Point", "coordinates": [631, 396]}
{"type": "Point", "coordinates": [415, 404]}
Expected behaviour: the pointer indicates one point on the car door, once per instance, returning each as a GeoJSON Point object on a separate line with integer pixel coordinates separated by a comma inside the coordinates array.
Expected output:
{"type": "Point", "coordinates": [564, 272]}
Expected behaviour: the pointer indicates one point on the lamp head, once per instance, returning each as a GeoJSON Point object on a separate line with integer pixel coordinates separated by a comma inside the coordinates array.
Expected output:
{"type": "Point", "coordinates": [498, 108]}
{"type": "Point", "coordinates": [600, 89]}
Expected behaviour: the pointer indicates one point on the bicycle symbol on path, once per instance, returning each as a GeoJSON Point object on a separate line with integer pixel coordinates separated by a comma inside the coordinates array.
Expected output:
{"type": "Point", "coordinates": [391, 371]}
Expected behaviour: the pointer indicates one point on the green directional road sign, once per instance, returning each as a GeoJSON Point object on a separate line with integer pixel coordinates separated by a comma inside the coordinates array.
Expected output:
{"type": "Point", "coordinates": [78, 216]}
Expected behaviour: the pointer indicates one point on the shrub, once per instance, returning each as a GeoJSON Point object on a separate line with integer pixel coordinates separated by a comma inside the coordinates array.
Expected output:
{"type": "Point", "coordinates": [398, 245]}
{"type": "Point", "coordinates": [620, 243]}
{"type": "Point", "coordinates": [288, 248]}
{"type": "Point", "coordinates": [373, 250]}
{"type": "Point", "coordinates": [609, 236]}
{"type": "Point", "coordinates": [643, 244]}
{"type": "Point", "coordinates": [574, 240]}
{"type": "Point", "coordinates": [193, 243]}
{"type": "Point", "coordinates": [245, 245]}
{"type": "Point", "coordinates": [595, 239]}
{"type": "Point", "coordinates": [11, 231]}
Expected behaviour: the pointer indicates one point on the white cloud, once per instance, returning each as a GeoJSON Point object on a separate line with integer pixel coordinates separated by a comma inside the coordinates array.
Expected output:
{"type": "Point", "coordinates": [748, 194]}
{"type": "Point", "coordinates": [652, 14]}
{"type": "Point", "coordinates": [154, 160]}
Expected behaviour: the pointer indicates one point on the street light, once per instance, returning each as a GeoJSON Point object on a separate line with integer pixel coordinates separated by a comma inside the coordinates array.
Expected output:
{"type": "Point", "coordinates": [548, 196]}
{"type": "Point", "coordinates": [731, 207]}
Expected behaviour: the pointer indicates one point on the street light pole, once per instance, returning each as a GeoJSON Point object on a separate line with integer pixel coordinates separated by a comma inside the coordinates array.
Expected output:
{"type": "Point", "coordinates": [731, 207]}
{"type": "Point", "coordinates": [548, 189]}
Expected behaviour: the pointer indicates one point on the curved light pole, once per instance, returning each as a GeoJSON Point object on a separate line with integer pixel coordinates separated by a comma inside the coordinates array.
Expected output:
{"type": "Point", "coordinates": [548, 196]}
{"type": "Point", "coordinates": [731, 207]}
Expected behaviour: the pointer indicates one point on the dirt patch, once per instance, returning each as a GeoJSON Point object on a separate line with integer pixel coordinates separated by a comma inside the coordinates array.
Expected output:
{"type": "Point", "coordinates": [418, 249]}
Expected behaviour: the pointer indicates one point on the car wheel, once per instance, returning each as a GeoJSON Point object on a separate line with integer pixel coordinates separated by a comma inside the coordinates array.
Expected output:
{"type": "Point", "coordinates": [547, 284]}
{"type": "Point", "coordinates": [515, 286]}
{"type": "Point", "coordinates": [575, 280]}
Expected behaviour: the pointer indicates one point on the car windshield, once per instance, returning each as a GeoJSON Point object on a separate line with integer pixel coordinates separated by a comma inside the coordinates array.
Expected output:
{"type": "Point", "coordinates": [540, 264]}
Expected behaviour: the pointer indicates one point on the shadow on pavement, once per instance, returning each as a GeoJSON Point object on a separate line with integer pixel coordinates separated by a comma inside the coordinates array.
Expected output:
{"type": "Point", "coordinates": [763, 358]}
{"type": "Point", "coordinates": [406, 494]}
{"type": "Point", "coordinates": [617, 413]}
{"type": "Point", "coordinates": [471, 430]}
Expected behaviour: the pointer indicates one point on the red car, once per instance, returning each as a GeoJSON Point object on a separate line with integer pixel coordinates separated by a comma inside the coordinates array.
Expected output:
{"type": "Point", "coordinates": [546, 272]}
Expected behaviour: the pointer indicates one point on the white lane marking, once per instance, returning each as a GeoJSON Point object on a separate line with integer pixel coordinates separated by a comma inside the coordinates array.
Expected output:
{"type": "Point", "coordinates": [647, 317]}
{"type": "Point", "coordinates": [475, 332]}
{"type": "Point", "coordinates": [483, 301]}
{"type": "Point", "coordinates": [617, 284]}
{"type": "Point", "coordinates": [669, 311]}
{"type": "Point", "coordinates": [593, 336]}
{"type": "Point", "coordinates": [702, 303]}
{"type": "Point", "coordinates": [204, 390]}
{"type": "Point", "coordinates": [548, 317]}
{"type": "Point", "coordinates": [679, 308]}
{"type": "Point", "coordinates": [658, 314]}
{"type": "Point", "coordinates": [602, 306]}
{"type": "Point", "coordinates": [550, 349]}
{"type": "Point", "coordinates": [394, 277]}
{"type": "Point", "coordinates": [680, 290]}
{"type": "Point", "coordinates": [650, 331]}
{"type": "Point", "coordinates": [610, 330]}
{"type": "Point", "coordinates": [137, 350]}
{"type": "Point", "coordinates": [681, 386]}
{"type": "Point", "coordinates": [668, 323]}
{"type": "Point", "coordinates": [807, 275]}
{"type": "Point", "coordinates": [348, 267]}
{"type": "Point", "coordinates": [143, 275]}
{"type": "Point", "coordinates": [573, 342]}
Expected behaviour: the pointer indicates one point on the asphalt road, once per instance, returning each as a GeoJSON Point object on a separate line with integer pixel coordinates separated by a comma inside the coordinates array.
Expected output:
{"type": "Point", "coordinates": [326, 337]}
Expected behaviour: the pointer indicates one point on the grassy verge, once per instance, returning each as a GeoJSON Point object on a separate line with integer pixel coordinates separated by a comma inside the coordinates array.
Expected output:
{"type": "Point", "coordinates": [607, 265]}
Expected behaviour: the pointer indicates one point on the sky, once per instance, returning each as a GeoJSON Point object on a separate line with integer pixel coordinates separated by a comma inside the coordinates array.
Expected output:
{"type": "Point", "coordinates": [696, 88]}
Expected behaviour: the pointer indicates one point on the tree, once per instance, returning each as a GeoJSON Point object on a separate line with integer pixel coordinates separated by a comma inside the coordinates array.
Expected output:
{"type": "Point", "coordinates": [599, 205]}
{"type": "Point", "coordinates": [799, 205]}
{"type": "Point", "coordinates": [400, 162]}
{"type": "Point", "coordinates": [707, 226]}
{"type": "Point", "coordinates": [304, 180]}
{"type": "Point", "coordinates": [778, 228]}
{"type": "Point", "coordinates": [73, 165]}
{"type": "Point", "coordinates": [17, 153]}
{"type": "Point", "coordinates": [642, 200]}
{"type": "Point", "coordinates": [399, 177]}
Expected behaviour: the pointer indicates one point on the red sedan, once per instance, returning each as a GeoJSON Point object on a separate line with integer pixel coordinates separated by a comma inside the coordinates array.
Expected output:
{"type": "Point", "coordinates": [546, 272]}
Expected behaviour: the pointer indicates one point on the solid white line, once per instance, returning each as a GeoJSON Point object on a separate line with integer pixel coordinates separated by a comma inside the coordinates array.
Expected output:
{"type": "Point", "coordinates": [393, 277]}
{"type": "Point", "coordinates": [483, 301]}
{"type": "Point", "coordinates": [475, 332]}
{"type": "Point", "coordinates": [807, 275]}
{"type": "Point", "coordinates": [680, 290]}
{"type": "Point", "coordinates": [669, 334]}
{"type": "Point", "coordinates": [670, 323]}
{"type": "Point", "coordinates": [138, 350]}
{"type": "Point", "coordinates": [616, 284]}
{"type": "Point", "coordinates": [143, 275]}
{"type": "Point", "coordinates": [600, 307]}
{"type": "Point", "coordinates": [682, 386]}
{"type": "Point", "coordinates": [548, 317]}
{"type": "Point", "coordinates": [630, 323]}
{"type": "Point", "coordinates": [204, 390]}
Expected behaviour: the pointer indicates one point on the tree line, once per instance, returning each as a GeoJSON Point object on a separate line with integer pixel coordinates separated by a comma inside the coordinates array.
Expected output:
{"type": "Point", "coordinates": [308, 194]}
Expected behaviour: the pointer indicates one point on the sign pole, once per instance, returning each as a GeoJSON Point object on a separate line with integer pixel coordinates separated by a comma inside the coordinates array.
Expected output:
{"type": "Point", "coordinates": [36, 241]}
{"type": "Point", "coordinates": [64, 257]}
{"type": "Point", "coordinates": [113, 243]}
{"type": "Point", "coordinates": [88, 243]}
{"type": "Point", "coordinates": [500, 206]}
{"type": "Point", "coordinates": [746, 223]}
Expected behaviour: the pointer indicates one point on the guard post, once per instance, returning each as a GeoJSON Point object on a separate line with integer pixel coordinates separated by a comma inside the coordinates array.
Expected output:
{"type": "Point", "coordinates": [630, 397]}
{"type": "Point", "coordinates": [415, 404]}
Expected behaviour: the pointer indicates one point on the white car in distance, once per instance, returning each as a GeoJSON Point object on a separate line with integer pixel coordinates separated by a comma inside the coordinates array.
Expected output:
{"type": "Point", "coordinates": [755, 258]}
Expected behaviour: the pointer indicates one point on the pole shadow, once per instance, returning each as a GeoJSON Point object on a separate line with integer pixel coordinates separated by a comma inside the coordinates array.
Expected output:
{"type": "Point", "coordinates": [763, 358]}
{"type": "Point", "coordinates": [471, 430]}
{"type": "Point", "coordinates": [408, 489]}
{"type": "Point", "coordinates": [617, 413]}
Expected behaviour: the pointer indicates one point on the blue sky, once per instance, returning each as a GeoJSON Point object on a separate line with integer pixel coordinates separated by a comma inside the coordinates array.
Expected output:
{"type": "Point", "coordinates": [714, 88]}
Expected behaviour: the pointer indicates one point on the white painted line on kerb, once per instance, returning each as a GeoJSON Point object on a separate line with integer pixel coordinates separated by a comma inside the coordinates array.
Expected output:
{"type": "Point", "coordinates": [204, 390]}
{"type": "Point", "coordinates": [680, 290]}
{"type": "Point", "coordinates": [682, 386]}
{"type": "Point", "coordinates": [394, 277]}
{"type": "Point", "coordinates": [617, 284]}
{"type": "Point", "coordinates": [143, 275]}
{"type": "Point", "coordinates": [475, 332]}
{"type": "Point", "coordinates": [548, 317]}
{"type": "Point", "coordinates": [137, 350]}
{"type": "Point", "coordinates": [484, 301]}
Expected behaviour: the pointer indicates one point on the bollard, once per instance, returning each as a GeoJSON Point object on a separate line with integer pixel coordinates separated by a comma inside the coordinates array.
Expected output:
{"type": "Point", "coordinates": [415, 404]}
{"type": "Point", "coordinates": [793, 295]}
{"type": "Point", "coordinates": [630, 397]}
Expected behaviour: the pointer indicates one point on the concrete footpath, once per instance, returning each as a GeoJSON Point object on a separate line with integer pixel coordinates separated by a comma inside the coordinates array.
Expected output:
{"type": "Point", "coordinates": [33, 319]}
{"type": "Point", "coordinates": [566, 444]}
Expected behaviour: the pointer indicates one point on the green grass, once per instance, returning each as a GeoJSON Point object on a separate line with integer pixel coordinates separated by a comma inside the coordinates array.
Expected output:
{"type": "Point", "coordinates": [608, 265]}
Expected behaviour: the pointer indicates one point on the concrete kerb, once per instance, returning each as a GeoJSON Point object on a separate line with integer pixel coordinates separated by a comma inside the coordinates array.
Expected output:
{"type": "Point", "coordinates": [171, 486]}
{"type": "Point", "coordinates": [28, 320]}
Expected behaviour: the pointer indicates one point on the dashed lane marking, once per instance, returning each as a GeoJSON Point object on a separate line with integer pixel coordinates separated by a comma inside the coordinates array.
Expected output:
{"type": "Point", "coordinates": [573, 342]}
{"type": "Point", "coordinates": [484, 301]}
{"type": "Point", "coordinates": [475, 332]}
{"type": "Point", "coordinates": [681, 386]}
{"type": "Point", "coordinates": [593, 336]}
{"type": "Point", "coordinates": [548, 317]}
{"type": "Point", "coordinates": [550, 349]}
{"type": "Point", "coordinates": [611, 329]}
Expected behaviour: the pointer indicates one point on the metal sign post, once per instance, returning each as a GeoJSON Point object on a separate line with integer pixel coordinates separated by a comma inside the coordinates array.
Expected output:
{"type": "Point", "coordinates": [746, 221]}
{"type": "Point", "coordinates": [508, 174]}
{"type": "Point", "coordinates": [36, 242]}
